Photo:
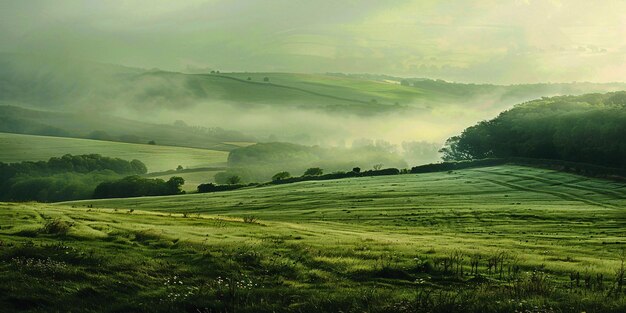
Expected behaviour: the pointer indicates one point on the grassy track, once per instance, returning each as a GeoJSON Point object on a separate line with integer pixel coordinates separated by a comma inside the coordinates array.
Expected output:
{"type": "Point", "coordinates": [372, 244]}
{"type": "Point", "coordinates": [17, 148]}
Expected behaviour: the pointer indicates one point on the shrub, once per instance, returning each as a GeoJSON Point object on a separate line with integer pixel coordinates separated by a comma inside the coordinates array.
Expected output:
{"type": "Point", "coordinates": [281, 176]}
{"type": "Point", "coordinates": [249, 219]}
{"type": "Point", "coordinates": [56, 227]}
{"type": "Point", "coordinates": [313, 171]}
{"type": "Point", "coordinates": [233, 180]}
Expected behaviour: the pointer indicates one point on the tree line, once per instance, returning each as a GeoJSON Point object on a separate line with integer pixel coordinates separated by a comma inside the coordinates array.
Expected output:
{"type": "Point", "coordinates": [313, 173]}
{"type": "Point", "coordinates": [73, 177]}
{"type": "Point", "coordinates": [136, 186]}
{"type": "Point", "coordinates": [587, 129]}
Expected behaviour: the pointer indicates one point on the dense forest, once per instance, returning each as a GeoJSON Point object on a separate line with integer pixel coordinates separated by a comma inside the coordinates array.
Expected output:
{"type": "Point", "coordinates": [62, 178]}
{"type": "Point", "coordinates": [590, 129]}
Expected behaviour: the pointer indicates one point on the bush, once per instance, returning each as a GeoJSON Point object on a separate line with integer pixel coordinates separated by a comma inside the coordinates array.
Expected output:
{"type": "Point", "coordinates": [281, 176]}
{"type": "Point", "coordinates": [249, 219]}
{"type": "Point", "coordinates": [233, 180]}
{"type": "Point", "coordinates": [313, 171]}
{"type": "Point", "coordinates": [56, 227]}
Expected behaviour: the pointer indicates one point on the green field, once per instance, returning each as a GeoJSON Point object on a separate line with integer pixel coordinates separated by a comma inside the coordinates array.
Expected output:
{"type": "Point", "coordinates": [402, 243]}
{"type": "Point", "coordinates": [17, 148]}
{"type": "Point", "coordinates": [334, 88]}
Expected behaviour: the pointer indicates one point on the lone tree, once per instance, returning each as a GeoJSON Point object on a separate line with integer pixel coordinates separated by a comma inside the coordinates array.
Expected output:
{"type": "Point", "coordinates": [313, 171]}
{"type": "Point", "coordinates": [233, 180]}
{"type": "Point", "coordinates": [152, 142]}
{"type": "Point", "coordinates": [266, 79]}
{"type": "Point", "coordinates": [280, 176]}
{"type": "Point", "coordinates": [179, 168]}
{"type": "Point", "coordinates": [174, 185]}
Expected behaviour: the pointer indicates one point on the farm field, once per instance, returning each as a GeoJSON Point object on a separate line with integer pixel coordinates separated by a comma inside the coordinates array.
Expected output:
{"type": "Point", "coordinates": [17, 148]}
{"type": "Point", "coordinates": [405, 243]}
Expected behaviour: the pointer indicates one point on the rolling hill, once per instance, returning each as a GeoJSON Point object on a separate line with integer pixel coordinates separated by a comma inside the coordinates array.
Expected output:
{"type": "Point", "coordinates": [77, 98]}
{"type": "Point", "coordinates": [424, 242]}
{"type": "Point", "coordinates": [99, 126]}
{"type": "Point", "coordinates": [30, 80]}
{"type": "Point", "coordinates": [16, 148]}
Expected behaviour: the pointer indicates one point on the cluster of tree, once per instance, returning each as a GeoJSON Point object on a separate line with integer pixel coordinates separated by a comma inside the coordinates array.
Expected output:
{"type": "Point", "coordinates": [55, 187]}
{"type": "Point", "coordinates": [68, 177]}
{"type": "Point", "coordinates": [136, 186]}
{"type": "Point", "coordinates": [72, 163]}
{"type": "Point", "coordinates": [315, 173]}
{"type": "Point", "coordinates": [211, 187]}
{"type": "Point", "coordinates": [259, 162]}
{"type": "Point", "coordinates": [587, 129]}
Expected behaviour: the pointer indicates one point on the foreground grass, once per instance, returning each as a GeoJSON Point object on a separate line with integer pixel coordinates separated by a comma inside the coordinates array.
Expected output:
{"type": "Point", "coordinates": [408, 243]}
{"type": "Point", "coordinates": [17, 148]}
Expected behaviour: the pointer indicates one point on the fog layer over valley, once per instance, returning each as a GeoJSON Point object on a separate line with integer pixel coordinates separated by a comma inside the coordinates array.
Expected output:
{"type": "Point", "coordinates": [210, 110]}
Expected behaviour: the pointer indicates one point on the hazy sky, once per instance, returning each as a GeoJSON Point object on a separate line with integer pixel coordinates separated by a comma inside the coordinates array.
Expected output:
{"type": "Point", "coordinates": [477, 41]}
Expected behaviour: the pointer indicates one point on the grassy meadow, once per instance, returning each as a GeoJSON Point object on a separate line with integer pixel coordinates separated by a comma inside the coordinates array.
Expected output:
{"type": "Point", "coordinates": [494, 239]}
{"type": "Point", "coordinates": [17, 148]}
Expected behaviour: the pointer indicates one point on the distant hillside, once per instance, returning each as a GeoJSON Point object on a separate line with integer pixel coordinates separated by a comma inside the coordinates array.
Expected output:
{"type": "Point", "coordinates": [103, 101]}
{"type": "Point", "coordinates": [54, 83]}
{"type": "Point", "coordinates": [106, 127]}
{"type": "Point", "coordinates": [17, 148]}
{"type": "Point", "coordinates": [28, 80]}
{"type": "Point", "coordinates": [589, 128]}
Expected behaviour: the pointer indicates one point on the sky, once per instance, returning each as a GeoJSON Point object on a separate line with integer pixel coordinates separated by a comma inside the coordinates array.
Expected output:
{"type": "Point", "coordinates": [494, 41]}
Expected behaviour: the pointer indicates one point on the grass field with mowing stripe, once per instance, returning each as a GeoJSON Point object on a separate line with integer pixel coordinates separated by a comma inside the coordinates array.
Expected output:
{"type": "Point", "coordinates": [404, 243]}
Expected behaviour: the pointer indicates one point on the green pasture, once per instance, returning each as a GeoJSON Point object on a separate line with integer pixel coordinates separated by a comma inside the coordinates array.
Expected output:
{"type": "Point", "coordinates": [17, 148]}
{"type": "Point", "coordinates": [372, 244]}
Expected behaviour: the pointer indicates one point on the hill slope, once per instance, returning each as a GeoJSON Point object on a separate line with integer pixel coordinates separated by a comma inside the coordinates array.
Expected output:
{"type": "Point", "coordinates": [318, 246]}
{"type": "Point", "coordinates": [16, 148]}
{"type": "Point", "coordinates": [101, 126]}
{"type": "Point", "coordinates": [311, 109]}
{"type": "Point", "coordinates": [75, 84]}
